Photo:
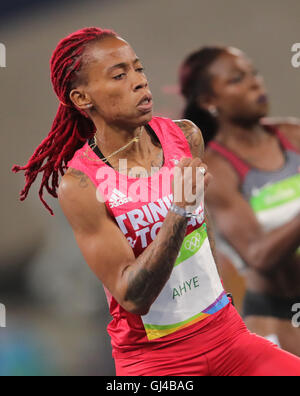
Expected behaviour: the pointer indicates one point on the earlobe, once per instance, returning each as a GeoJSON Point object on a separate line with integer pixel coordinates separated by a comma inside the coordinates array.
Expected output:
{"type": "Point", "coordinates": [207, 104]}
{"type": "Point", "coordinates": [213, 111]}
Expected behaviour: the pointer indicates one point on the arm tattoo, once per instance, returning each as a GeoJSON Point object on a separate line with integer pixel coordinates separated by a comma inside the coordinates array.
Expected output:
{"type": "Point", "coordinates": [83, 179]}
{"type": "Point", "coordinates": [193, 136]}
{"type": "Point", "coordinates": [154, 266]}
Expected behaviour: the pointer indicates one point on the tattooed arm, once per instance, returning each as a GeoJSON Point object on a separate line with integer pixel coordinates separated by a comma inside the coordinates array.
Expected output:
{"type": "Point", "coordinates": [193, 136]}
{"type": "Point", "coordinates": [134, 282]}
{"type": "Point", "coordinates": [147, 277]}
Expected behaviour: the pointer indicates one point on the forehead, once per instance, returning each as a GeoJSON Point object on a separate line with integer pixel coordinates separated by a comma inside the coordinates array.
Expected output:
{"type": "Point", "coordinates": [229, 62]}
{"type": "Point", "coordinates": [109, 52]}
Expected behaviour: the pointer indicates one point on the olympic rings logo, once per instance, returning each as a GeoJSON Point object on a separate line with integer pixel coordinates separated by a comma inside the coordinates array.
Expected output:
{"type": "Point", "coordinates": [193, 244]}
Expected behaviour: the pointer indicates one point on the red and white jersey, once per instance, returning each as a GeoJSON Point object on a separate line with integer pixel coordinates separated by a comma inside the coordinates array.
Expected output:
{"type": "Point", "coordinates": [194, 292]}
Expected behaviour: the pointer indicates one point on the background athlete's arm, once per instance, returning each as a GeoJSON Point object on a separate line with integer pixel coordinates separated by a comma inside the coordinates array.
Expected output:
{"type": "Point", "coordinates": [134, 282]}
{"type": "Point", "coordinates": [234, 217]}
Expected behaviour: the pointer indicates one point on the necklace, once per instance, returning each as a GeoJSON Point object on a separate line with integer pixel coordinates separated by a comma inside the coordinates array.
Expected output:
{"type": "Point", "coordinates": [105, 159]}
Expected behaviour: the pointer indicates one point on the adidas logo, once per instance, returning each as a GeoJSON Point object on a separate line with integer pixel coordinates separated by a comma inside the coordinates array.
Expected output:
{"type": "Point", "coordinates": [118, 198]}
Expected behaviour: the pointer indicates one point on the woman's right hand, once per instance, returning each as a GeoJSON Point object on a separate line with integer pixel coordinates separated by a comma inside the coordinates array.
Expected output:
{"type": "Point", "coordinates": [190, 181]}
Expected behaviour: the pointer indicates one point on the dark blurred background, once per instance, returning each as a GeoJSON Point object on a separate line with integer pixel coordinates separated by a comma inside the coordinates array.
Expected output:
{"type": "Point", "coordinates": [56, 309]}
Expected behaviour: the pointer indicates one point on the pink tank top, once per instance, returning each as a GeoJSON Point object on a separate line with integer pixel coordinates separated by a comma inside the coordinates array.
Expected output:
{"type": "Point", "coordinates": [194, 294]}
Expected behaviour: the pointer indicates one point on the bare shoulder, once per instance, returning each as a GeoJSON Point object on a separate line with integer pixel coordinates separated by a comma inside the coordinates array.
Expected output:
{"type": "Point", "coordinates": [292, 132]}
{"type": "Point", "coordinates": [72, 184]}
{"type": "Point", "coordinates": [278, 121]}
{"type": "Point", "coordinates": [78, 199]}
{"type": "Point", "coordinates": [289, 126]}
{"type": "Point", "coordinates": [193, 135]}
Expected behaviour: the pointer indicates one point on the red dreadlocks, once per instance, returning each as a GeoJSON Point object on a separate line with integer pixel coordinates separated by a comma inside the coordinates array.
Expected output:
{"type": "Point", "coordinates": [71, 127]}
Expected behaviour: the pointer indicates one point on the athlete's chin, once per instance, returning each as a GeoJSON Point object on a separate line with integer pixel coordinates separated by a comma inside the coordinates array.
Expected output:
{"type": "Point", "coordinates": [262, 109]}
{"type": "Point", "coordinates": [261, 114]}
{"type": "Point", "coordinates": [135, 121]}
{"type": "Point", "coordinates": [145, 118]}
{"type": "Point", "coordinates": [254, 116]}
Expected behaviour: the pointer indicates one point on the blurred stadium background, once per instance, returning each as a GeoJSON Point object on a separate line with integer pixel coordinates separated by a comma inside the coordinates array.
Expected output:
{"type": "Point", "coordinates": [56, 309]}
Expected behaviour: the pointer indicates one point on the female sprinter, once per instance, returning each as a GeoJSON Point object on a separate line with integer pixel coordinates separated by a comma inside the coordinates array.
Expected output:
{"type": "Point", "coordinates": [152, 254]}
{"type": "Point", "coordinates": [255, 194]}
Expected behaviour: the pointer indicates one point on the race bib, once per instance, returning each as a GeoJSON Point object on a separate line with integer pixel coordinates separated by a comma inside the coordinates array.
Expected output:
{"type": "Point", "coordinates": [193, 292]}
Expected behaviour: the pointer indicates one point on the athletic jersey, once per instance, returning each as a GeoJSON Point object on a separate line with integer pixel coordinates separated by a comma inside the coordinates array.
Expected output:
{"type": "Point", "coordinates": [194, 292]}
{"type": "Point", "coordinates": [273, 195]}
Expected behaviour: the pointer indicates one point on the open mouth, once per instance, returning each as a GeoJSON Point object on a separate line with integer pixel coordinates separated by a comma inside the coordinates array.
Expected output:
{"type": "Point", "coordinates": [146, 104]}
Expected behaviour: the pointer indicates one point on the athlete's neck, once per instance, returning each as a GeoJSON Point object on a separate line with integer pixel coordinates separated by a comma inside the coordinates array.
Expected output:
{"type": "Point", "coordinates": [231, 134]}
{"type": "Point", "coordinates": [112, 138]}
